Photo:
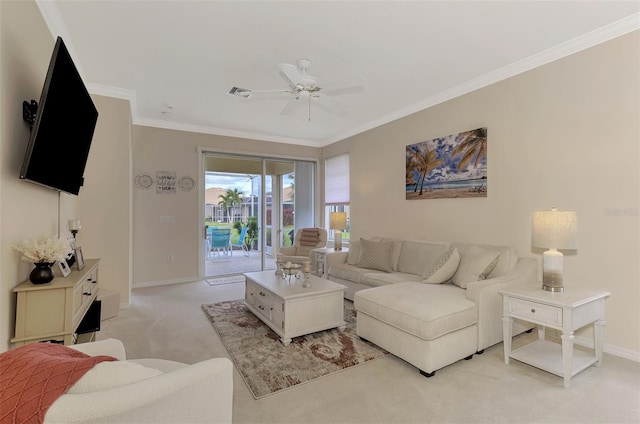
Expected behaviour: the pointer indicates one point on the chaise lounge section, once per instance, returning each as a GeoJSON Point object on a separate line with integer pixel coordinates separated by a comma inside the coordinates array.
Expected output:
{"type": "Point", "coordinates": [430, 303]}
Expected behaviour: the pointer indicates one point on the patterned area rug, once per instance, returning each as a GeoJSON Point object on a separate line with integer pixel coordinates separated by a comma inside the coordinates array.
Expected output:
{"type": "Point", "coordinates": [226, 280]}
{"type": "Point", "coordinates": [268, 367]}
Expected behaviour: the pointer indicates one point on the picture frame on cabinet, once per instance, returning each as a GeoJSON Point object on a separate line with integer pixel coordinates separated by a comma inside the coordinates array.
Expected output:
{"type": "Point", "coordinates": [79, 258]}
{"type": "Point", "coordinates": [64, 268]}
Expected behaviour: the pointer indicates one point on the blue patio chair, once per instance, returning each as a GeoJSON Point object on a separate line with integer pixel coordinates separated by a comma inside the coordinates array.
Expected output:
{"type": "Point", "coordinates": [220, 241]}
{"type": "Point", "coordinates": [241, 244]}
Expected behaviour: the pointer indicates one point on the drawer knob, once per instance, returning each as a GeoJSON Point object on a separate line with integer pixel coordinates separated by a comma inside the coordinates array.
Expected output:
{"type": "Point", "coordinates": [87, 293]}
{"type": "Point", "coordinates": [533, 311]}
{"type": "Point", "coordinates": [262, 294]}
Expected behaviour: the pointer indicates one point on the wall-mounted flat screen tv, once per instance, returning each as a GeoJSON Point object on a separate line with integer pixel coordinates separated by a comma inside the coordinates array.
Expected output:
{"type": "Point", "coordinates": [63, 127]}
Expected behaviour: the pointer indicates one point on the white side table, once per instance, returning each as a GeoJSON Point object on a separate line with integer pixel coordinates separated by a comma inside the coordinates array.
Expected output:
{"type": "Point", "coordinates": [321, 255]}
{"type": "Point", "coordinates": [567, 311]}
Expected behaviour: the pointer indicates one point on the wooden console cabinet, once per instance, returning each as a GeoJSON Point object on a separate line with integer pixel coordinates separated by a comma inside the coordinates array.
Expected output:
{"type": "Point", "coordinates": [54, 310]}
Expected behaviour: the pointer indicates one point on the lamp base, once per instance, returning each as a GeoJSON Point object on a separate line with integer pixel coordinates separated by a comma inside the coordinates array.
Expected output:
{"type": "Point", "coordinates": [552, 272]}
{"type": "Point", "coordinates": [337, 240]}
{"type": "Point", "coordinates": [553, 289]}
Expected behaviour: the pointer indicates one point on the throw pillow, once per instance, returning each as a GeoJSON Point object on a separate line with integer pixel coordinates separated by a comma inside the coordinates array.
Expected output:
{"type": "Point", "coordinates": [106, 375]}
{"type": "Point", "coordinates": [354, 252]}
{"type": "Point", "coordinates": [375, 255]}
{"type": "Point", "coordinates": [444, 268]}
{"type": "Point", "coordinates": [475, 267]}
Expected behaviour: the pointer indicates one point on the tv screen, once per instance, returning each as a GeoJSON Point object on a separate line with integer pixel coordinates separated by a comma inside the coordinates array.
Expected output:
{"type": "Point", "coordinates": [63, 127]}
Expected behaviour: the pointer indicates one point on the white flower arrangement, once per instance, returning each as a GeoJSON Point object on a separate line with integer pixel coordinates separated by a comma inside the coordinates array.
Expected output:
{"type": "Point", "coordinates": [43, 249]}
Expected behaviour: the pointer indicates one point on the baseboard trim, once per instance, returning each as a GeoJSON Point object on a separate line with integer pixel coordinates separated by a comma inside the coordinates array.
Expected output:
{"type": "Point", "coordinates": [610, 349]}
{"type": "Point", "coordinates": [144, 284]}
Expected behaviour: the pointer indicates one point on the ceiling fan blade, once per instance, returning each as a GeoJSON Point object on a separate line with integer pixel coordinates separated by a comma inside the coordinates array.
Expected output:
{"type": "Point", "coordinates": [347, 85]}
{"type": "Point", "coordinates": [247, 93]}
{"type": "Point", "coordinates": [290, 107]}
{"type": "Point", "coordinates": [291, 74]}
{"type": "Point", "coordinates": [332, 105]}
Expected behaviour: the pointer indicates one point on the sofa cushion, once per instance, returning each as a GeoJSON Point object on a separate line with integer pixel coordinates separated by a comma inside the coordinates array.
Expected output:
{"type": "Point", "coordinates": [375, 279]}
{"type": "Point", "coordinates": [351, 272]}
{"type": "Point", "coordinates": [107, 375]}
{"type": "Point", "coordinates": [475, 265]}
{"type": "Point", "coordinates": [444, 268]}
{"type": "Point", "coordinates": [395, 251]}
{"type": "Point", "coordinates": [506, 261]}
{"type": "Point", "coordinates": [426, 311]}
{"type": "Point", "coordinates": [417, 257]}
{"type": "Point", "coordinates": [375, 255]}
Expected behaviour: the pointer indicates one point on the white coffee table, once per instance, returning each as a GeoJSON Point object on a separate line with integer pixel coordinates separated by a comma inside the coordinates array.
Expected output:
{"type": "Point", "coordinates": [292, 310]}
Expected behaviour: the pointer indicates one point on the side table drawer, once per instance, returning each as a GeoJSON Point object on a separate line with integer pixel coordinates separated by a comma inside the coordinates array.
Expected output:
{"type": "Point", "coordinates": [536, 312]}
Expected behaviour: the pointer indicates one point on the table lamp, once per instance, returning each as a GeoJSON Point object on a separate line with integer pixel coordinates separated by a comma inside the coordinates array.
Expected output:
{"type": "Point", "coordinates": [337, 222]}
{"type": "Point", "coordinates": [554, 230]}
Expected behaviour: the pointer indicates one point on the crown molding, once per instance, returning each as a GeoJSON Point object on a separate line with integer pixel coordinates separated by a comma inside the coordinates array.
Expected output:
{"type": "Point", "coordinates": [609, 32]}
{"type": "Point", "coordinates": [54, 21]}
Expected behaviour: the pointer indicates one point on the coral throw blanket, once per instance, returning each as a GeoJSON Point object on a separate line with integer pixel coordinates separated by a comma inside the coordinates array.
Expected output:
{"type": "Point", "coordinates": [33, 376]}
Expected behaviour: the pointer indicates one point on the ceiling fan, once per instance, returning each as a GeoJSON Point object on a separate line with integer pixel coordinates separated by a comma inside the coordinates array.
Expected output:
{"type": "Point", "coordinates": [304, 89]}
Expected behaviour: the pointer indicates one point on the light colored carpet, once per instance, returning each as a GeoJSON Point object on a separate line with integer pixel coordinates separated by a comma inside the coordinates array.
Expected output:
{"type": "Point", "coordinates": [226, 280]}
{"type": "Point", "coordinates": [267, 366]}
{"type": "Point", "coordinates": [167, 322]}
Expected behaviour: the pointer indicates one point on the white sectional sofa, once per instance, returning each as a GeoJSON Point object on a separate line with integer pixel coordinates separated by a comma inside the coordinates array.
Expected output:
{"type": "Point", "coordinates": [430, 303]}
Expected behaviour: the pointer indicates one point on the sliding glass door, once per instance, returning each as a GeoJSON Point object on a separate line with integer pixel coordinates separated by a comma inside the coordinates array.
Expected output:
{"type": "Point", "coordinates": [262, 200]}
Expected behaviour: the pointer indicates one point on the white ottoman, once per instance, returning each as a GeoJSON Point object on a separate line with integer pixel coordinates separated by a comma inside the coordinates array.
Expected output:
{"type": "Point", "coordinates": [428, 325]}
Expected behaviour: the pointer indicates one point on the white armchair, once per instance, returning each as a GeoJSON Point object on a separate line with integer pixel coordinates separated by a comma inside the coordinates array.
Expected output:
{"type": "Point", "coordinates": [175, 393]}
{"type": "Point", "coordinates": [305, 240]}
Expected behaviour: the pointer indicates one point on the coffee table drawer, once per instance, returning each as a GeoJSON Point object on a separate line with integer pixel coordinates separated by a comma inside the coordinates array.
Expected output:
{"type": "Point", "coordinates": [536, 312]}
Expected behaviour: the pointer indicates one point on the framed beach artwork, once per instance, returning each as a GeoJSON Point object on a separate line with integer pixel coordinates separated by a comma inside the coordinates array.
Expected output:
{"type": "Point", "coordinates": [448, 167]}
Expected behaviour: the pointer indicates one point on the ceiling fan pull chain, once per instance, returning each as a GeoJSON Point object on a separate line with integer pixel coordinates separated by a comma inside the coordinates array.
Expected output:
{"type": "Point", "coordinates": [309, 108]}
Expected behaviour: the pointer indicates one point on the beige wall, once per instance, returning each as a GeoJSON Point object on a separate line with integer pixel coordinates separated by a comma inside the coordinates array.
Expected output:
{"type": "Point", "coordinates": [566, 135]}
{"type": "Point", "coordinates": [27, 210]}
{"type": "Point", "coordinates": [156, 149]}
{"type": "Point", "coordinates": [104, 204]}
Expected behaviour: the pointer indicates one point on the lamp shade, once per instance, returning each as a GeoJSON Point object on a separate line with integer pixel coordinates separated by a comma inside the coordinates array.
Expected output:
{"type": "Point", "coordinates": [338, 220]}
{"type": "Point", "coordinates": [555, 229]}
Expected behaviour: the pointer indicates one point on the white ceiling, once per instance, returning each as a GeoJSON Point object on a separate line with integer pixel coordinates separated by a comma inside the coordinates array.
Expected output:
{"type": "Point", "coordinates": [177, 59]}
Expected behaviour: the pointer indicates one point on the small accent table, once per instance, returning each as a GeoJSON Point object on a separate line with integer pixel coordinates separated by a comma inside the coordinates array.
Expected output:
{"type": "Point", "coordinates": [321, 255]}
{"type": "Point", "coordinates": [567, 311]}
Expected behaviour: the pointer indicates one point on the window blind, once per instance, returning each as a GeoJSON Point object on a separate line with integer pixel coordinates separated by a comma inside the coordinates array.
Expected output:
{"type": "Point", "coordinates": [336, 180]}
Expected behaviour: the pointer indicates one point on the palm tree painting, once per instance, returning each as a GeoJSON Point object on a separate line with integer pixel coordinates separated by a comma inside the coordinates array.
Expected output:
{"type": "Point", "coordinates": [447, 167]}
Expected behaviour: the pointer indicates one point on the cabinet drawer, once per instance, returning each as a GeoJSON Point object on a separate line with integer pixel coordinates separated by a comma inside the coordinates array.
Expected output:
{"type": "Point", "coordinates": [263, 301]}
{"type": "Point", "coordinates": [264, 308]}
{"type": "Point", "coordinates": [536, 312]}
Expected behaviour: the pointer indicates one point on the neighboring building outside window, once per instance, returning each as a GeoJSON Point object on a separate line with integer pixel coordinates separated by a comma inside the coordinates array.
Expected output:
{"type": "Point", "coordinates": [336, 185]}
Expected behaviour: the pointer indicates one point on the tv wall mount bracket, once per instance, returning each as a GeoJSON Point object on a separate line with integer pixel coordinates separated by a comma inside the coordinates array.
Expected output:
{"type": "Point", "coordinates": [29, 110]}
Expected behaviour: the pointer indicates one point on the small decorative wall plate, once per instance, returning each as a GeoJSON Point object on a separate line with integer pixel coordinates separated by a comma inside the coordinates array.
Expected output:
{"type": "Point", "coordinates": [144, 181]}
{"type": "Point", "coordinates": [186, 183]}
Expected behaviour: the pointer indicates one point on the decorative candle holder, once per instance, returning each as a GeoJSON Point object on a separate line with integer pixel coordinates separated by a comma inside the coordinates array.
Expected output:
{"type": "Point", "coordinates": [306, 283]}
{"type": "Point", "coordinates": [290, 270]}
